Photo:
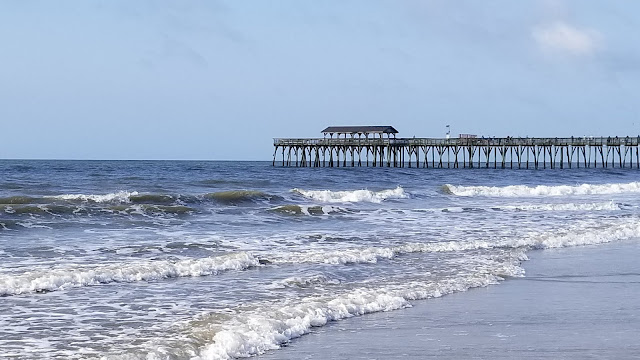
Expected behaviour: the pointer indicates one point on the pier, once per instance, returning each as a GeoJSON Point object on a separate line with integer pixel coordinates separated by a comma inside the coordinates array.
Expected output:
{"type": "Point", "coordinates": [378, 146]}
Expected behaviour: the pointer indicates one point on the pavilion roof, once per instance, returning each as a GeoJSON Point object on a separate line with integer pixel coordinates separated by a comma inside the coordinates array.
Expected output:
{"type": "Point", "coordinates": [360, 130]}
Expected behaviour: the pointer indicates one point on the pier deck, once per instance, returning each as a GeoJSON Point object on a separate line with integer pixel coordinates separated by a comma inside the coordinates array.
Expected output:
{"type": "Point", "coordinates": [469, 152]}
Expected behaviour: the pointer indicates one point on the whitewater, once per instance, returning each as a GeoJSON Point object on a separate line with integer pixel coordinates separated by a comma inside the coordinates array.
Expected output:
{"type": "Point", "coordinates": [223, 260]}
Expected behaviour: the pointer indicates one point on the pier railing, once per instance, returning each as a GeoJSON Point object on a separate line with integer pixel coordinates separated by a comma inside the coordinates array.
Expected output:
{"type": "Point", "coordinates": [493, 141]}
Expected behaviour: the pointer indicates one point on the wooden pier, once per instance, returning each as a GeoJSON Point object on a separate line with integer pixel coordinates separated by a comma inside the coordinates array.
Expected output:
{"type": "Point", "coordinates": [355, 148]}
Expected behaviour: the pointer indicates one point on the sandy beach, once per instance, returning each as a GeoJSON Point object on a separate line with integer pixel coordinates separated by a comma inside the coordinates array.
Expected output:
{"type": "Point", "coordinates": [573, 303]}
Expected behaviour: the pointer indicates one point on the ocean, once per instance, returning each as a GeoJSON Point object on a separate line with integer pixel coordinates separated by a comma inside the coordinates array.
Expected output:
{"type": "Point", "coordinates": [219, 260]}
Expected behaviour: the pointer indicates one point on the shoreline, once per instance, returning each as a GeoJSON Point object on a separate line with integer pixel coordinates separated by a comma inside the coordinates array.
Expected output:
{"type": "Point", "coordinates": [573, 303]}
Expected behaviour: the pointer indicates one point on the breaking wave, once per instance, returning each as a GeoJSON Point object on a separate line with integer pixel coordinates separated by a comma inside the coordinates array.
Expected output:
{"type": "Point", "coordinates": [120, 196]}
{"type": "Point", "coordinates": [353, 196]}
{"type": "Point", "coordinates": [270, 326]}
{"type": "Point", "coordinates": [587, 233]}
{"type": "Point", "coordinates": [80, 210]}
{"type": "Point", "coordinates": [64, 278]}
{"type": "Point", "coordinates": [130, 203]}
{"type": "Point", "coordinates": [542, 190]}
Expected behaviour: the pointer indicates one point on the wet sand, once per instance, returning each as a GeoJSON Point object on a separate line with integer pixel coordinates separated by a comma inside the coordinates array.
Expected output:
{"type": "Point", "coordinates": [574, 303]}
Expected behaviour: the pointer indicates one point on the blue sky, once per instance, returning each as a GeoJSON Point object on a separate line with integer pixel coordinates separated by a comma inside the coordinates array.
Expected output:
{"type": "Point", "coordinates": [217, 80]}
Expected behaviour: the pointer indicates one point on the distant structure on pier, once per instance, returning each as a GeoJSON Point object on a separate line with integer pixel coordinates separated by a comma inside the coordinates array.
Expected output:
{"type": "Point", "coordinates": [378, 146]}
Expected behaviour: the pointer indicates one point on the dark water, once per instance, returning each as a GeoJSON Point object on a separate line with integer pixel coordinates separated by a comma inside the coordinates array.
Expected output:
{"type": "Point", "coordinates": [169, 259]}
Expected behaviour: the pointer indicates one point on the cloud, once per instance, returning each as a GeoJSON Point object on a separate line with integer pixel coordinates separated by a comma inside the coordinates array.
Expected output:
{"type": "Point", "coordinates": [561, 37]}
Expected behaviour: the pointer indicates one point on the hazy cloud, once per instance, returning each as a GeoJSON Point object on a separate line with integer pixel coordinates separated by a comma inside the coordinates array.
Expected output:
{"type": "Point", "coordinates": [564, 38]}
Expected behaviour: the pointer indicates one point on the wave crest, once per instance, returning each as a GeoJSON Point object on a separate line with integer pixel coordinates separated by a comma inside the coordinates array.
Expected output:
{"type": "Point", "coordinates": [353, 196]}
{"type": "Point", "coordinates": [234, 197]}
{"type": "Point", "coordinates": [60, 279]}
{"type": "Point", "coordinates": [120, 196]}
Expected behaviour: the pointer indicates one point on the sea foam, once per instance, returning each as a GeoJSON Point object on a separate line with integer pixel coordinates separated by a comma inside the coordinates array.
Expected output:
{"type": "Point", "coordinates": [120, 196]}
{"type": "Point", "coordinates": [303, 281]}
{"type": "Point", "coordinates": [602, 206]}
{"type": "Point", "coordinates": [598, 206]}
{"type": "Point", "coordinates": [308, 210]}
{"type": "Point", "coordinates": [63, 278]}
{"type": "Point", "coordinates": [353, 196]}
{"type": "Point", "coordinates": [542, 190]}
{"type": "Point", "coordinates": [259, 331]}
{"type": "Point", "coordinates": [583, 233]}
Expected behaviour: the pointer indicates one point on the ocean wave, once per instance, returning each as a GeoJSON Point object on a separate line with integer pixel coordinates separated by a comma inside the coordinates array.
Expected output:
{"type": "Point", "coordinates": [342, 256]}
{"type": "Point", "coordinates": [586, 233]}
{"type": "Point", "coordinates": [589, 233]}
{"type": "Point", "coordinates": [7, 225]}
{"type": "Point", "coordinates": [256, 332]}
{"type": "Point", "coordinates": [14, 200]}
{"type": "Point", "coordinates": [235, 197]}
{"type": "Point", "coordinates": [32, 225]}
{"type": "Point", "coordinates": [600, 206]}
{"type": "Point", "coordinates": [308, 210]}
{"type": "Point", "coordinates": [64, 278]}
{"type": "Point", "coordinates": [542, 190]}
{"type": "Point", "coordinates": [39, 209]}
{"type": "Point", "coordinates": [603, 206]}
{"type": "Point", "coordinates": [131, 203]}
{"type": "Point", "coordinates": [237, 182]}
{"type": "Point", "coordinates": [252, 330]}
{"type": "Point", "coordinates": [353, 196]}
{"type": "Point", "coordinates": [151, 198]}
{"type": "Point", "coordinates": [58, 210]}
{"type": "Point", "coordinates": [149, 209]}
{"type": "Point", "coordinates": [303, 281]}
{"type": "Point", "coordinates": [120, 196]}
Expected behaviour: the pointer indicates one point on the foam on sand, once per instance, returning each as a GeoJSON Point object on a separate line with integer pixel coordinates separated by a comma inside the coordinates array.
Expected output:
{"type": "Point", "coordinates": [258, 331]}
